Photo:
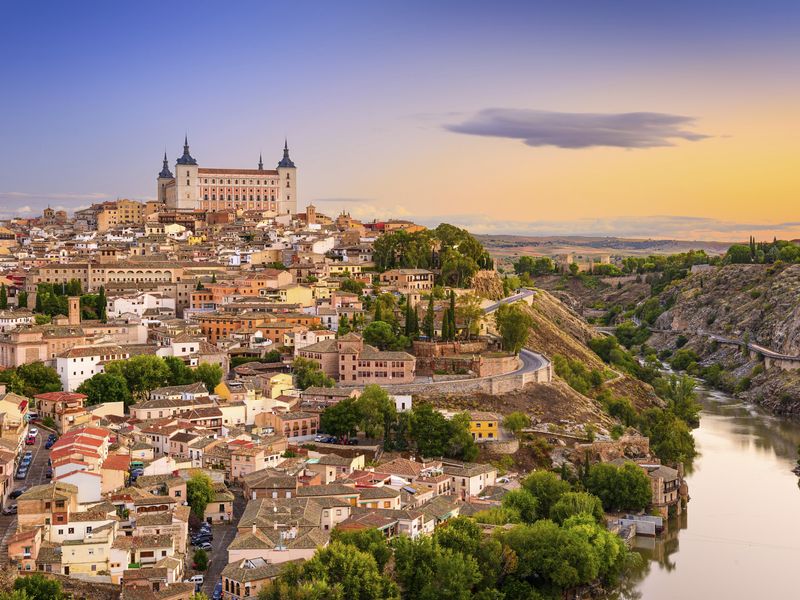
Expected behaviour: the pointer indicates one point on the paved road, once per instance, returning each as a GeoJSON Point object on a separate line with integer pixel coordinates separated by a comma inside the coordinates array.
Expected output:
{"type": "Point", "coordinates": [520, 296]}
{"type": "Point", "coordinates": [224, 534]}
{"type": "Point", "coordinates": [36, 471]}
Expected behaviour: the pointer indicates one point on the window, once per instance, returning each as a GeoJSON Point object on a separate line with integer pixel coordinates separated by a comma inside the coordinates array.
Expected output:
{"type": "Point", "coordinates": [71, 530]}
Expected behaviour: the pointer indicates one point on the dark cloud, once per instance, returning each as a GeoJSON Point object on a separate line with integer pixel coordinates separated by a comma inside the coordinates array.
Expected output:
{"type": "Point", "coordinates": [580, 130]}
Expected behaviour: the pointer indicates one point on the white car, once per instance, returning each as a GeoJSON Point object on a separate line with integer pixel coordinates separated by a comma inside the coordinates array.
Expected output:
{"type": "Point", "coordinates": [195, 579]}
{"type": "Point", "coordinates": [33, 431]}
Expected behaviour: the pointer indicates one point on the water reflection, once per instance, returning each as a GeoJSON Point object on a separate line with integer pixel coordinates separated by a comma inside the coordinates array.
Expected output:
{"type": "Point", "coordinates": [745, 532]}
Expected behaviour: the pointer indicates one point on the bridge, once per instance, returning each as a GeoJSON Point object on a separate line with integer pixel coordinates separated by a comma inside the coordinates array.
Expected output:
{"type": "Point", "coordinates": [523, 295]}
{"type": "Point", "coordinates": [779, 360]}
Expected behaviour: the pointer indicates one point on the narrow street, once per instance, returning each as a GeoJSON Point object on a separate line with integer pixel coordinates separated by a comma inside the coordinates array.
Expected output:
{"type": "Point", "coordinates": [223, 536]}
{"type": "Point", "coordinates": [36, 472]}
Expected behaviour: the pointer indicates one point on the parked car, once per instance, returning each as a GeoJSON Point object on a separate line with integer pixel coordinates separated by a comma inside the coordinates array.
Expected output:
{"type": "Point", "coordinates": [49, 444]}
{"type": "Point", "coordinates": [217, 595]}
{"type": "Point", "coordinates": [30, 440]}
{"type": "Point", "coordinates": [49, 473]}
{"type": "Point", "coordinates": [201, 539]}
{"type": "Point", "coordinates": [22, 473]}
{"type": "Point", "coordinates": [10, 510]}
{"type": "Point", "coordinates": [137, 472]}
{"type": "Point", "coordinates": [352, 442]}
{"type": "Point", "coordinates": [199, 578]}
{"type": "Point", "coordinates": [31, 416]}
{"type": "Point", "coordinates": [18, 492]}
{"type": "Point", "coordinates": [33, 431]}
{"type": "Point", "coordinates": [203, 546]}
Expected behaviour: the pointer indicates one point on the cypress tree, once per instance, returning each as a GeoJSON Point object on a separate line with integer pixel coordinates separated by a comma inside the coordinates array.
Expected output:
{"type": "Point", "coordinates": [101, 304]}
{"type": "Point", "coordinates": [3, 296]}
{"type": "Point", "coordinates": [452, 315]}
{"type": "Point", "coordinates": [428, 322]}
{"type": "Point", "coordinates": [378, 313]}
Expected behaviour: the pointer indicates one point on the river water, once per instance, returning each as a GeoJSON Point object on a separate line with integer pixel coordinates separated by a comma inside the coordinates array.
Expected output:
{"type": "Point", "coordinates": [740, 537]}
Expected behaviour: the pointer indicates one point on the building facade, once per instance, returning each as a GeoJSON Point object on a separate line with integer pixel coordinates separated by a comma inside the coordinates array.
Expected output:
{"type": "Point", "coordinates": [193, 187]}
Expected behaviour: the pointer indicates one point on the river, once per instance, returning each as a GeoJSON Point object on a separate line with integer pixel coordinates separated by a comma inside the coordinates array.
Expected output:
{"type": "Point", "coordinates": [740, 537]}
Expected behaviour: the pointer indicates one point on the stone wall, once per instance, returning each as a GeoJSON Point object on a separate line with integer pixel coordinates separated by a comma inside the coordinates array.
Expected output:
{"type": "Point", "coordinates": [434, 349]}
{"type": "Point", "coordinates": [628, 446]}
{"type": "Point", "coordinates": [489, 366]}
{"type": "Point", "coordinates": [80, 589]}
{"type": "Point", "coordinates": [500, 446]}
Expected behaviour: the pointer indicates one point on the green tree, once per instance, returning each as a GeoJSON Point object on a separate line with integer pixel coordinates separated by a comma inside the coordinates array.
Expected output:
{"type": "Point", "coordinates": [426, 571]}
{"type": "Point", "coordinates": [516, 422]}
{"type": "Point", "coordinates": [105, 387]}
{"type": "Point", "coordinates": [376, 410]}
{"type": "Point", "coordinates": [199, 493]}
{"type": "Point", "coordinates": [102, 304]}
{"type": "Point", "coordinates": [342, 419]}
{"type": "Point", "coordinates": [546, 487]}
{"type": "Point", "coordinates": [670, 437]}
{"type": "Point", "coordinates": [22, 299]}
{"type": "Point", "coordinates": [352, 286]}
{"type": "Point", "coordinates": [380, 335]}
{"type": "Point", "coordinates": [619, 488]}
{"type": "Point", "coordinates": [209, 374]}
{"type": "Point", "coordinates": [39, 587]}
{"type": "Point", "coordinates": [429, 322]}
{"type": "Point", "coordinates": [179, 371]}
{"type": "Point", "coordinates": [34, 378]}
{"type": "Point", "coordinates": [142, 373]}
{"type": "Point", "coordinates": [469, 312]}
{"type": "Point", "coordinates": [575, 503]}
{"type": "Point", "coordinates": [200, 560]}
{"type": "Point", "coordinates": [342, 571]}
{"type": "Point", "coordinates": [344, 326]}
{"type": "Point", "coordinates": [739, 254]}
{"type": "Point", "coordinates": [514, 324]}
{"type": "Point", "coordinates": [3, 297]}
{"type": "Point", "coordinates": [307, 373]}
{"type": "Point", "coordinates": [523, 503]}
{"type": "Point", "coordinates": [371, 541]}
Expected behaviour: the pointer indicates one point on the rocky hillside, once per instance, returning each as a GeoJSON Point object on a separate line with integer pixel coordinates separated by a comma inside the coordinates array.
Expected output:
{"type": "Point", "coordinates": [557, 330]}
{"type": "Point", "coordinates": [759, 303]}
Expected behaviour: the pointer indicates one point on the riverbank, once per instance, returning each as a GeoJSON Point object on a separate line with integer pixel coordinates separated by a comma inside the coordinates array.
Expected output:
{"type": "Point", "coordinates": [740, 536]}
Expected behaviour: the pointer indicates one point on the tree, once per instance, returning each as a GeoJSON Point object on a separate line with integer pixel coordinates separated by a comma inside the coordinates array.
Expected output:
{"type": "Point", "coordinates": [39, 587]}
{"type": "Point", "coordinates": [427, 571]}
{"type": "Point", "coordinates": [344, 326]}
{"type": "Point", "coordinates": [516, 422]}
{"type": "Point", "coordinates": [179, 371]}
{"type": "Point", "coordinates": [307, 373]}
{"type": "Point", "coordinates": [22, 300]}
{"type": "Point", "coordinates": [546, 487]}
{"type": "Point", "coordinates": [209, 374]}
{"type": "Point", "coordinates": [739, 254]}
{"type": "Point", "coordinates": [379, 334]}
{"type": "Point", "coordinates": [342, 419]}
{"type": "Point", "coordinates": [469, 312]}
{"type": "Point", "coordinates": [376, 410]}
{"type": "Point", "coordinates": [337, 571]}
{"type": "Point", "coordinates": [670, 438]}
{"type": "Point", "coordinates": [434, 435]}
{"type": "Point", "coordinates": [34, 378]}
{"type": "Point", "coordinates": [573, 269]}
{"type": "Point", "coordinates": [105, 387]}
{"type": "Point", "coordinates": [514, 324]}
{"type": "Point", "coordinates": [371, 541]}
{"type": "Point", "coordinates": [352, 286]}
{"type": "Point", "coordinates": [200, 560]}
{"type": "Point", "coordinates": [199, 493]}
{"type": "Point", "coordinates": [101, 304]}
{"type": "Point", "coordinates": [452, 315]}
{"type": "Point", "coordinates": [3, 297]}
{"type": "Point", "coordinates": [142, 373]}
{"type": "Point", "coordinates": [429, 322]}
{"type": "Point", "coordinates": [574, 503]}
{"type": "Point", "coordinates": [523, 503]}
{"type": "Point", "coordinates": [619, 488]}
{"type": "Point", "coordinates": [411, 321]}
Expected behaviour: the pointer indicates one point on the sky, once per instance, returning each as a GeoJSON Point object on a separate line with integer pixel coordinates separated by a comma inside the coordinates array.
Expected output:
{"type": "Point", "coordinates": [634, 118]}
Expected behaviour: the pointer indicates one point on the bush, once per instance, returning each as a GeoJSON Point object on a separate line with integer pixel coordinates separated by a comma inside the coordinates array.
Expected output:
{"type": "Point", "coordinates": [619, 488]}
{"type": "Point", "coordinates": [200, 560]}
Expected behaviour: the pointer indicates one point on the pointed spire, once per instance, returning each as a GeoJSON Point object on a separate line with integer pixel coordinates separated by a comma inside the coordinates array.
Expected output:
{"type": "Point", "coordinates": [260, 162]}
{"type": "Point", "coordinates": [165, 172]}
{"type": "Point", "coordinates": [186, 159]}
{"type": "Point", "coordinates": [286, 161]}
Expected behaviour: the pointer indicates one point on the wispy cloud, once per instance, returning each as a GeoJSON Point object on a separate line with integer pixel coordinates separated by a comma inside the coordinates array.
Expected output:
{"type": "Point", "coordinates": [676, 227]}
{"type": "Point", "coordinates": [580, 130]}
{"type": "Point", "coordinates": [343, 200]}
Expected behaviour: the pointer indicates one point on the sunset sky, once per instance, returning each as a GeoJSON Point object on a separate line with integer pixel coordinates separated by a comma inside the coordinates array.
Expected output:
{"type": "Point", "coordinates": [634, 118]}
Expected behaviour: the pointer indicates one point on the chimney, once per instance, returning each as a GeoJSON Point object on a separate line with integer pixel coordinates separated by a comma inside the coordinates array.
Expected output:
{"type": "Point", "coordinates": [253, 528]}
{"type": "Point", "coordinates": [74, 310]}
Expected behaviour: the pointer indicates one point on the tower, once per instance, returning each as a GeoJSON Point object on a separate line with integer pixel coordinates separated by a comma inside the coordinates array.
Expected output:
{"type": "Point", "coordinates": [164, 178]}
{"type": "Point", "coordinates": [74, 315]}
{"type": "Point", "coordinates": [260, 162]}
{"type": "Point", "coordinates": [187, 188]}
{"type": "Point", "coordinates": [287, 180]}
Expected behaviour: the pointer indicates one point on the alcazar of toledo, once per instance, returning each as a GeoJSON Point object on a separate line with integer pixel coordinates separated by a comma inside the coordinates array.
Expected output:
{"type": "Point", "coordinates": [194, 187]}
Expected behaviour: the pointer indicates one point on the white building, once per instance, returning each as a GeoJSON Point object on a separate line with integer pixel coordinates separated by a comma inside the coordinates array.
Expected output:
{"type": "Point", "coordinates": [76, 365]}
{"type": "Point", "coordinates": [11, 319]}
{"type": "Point", "coordinates": [138, 304]}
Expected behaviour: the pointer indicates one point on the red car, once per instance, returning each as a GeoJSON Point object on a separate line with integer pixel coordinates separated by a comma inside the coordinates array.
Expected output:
{"type": "Point", "coordinates": [30, 440]}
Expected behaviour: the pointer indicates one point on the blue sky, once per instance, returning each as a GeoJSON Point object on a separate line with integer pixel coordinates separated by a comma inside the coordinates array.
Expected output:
{"type": "Point", "coordinates": [384, 105]}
